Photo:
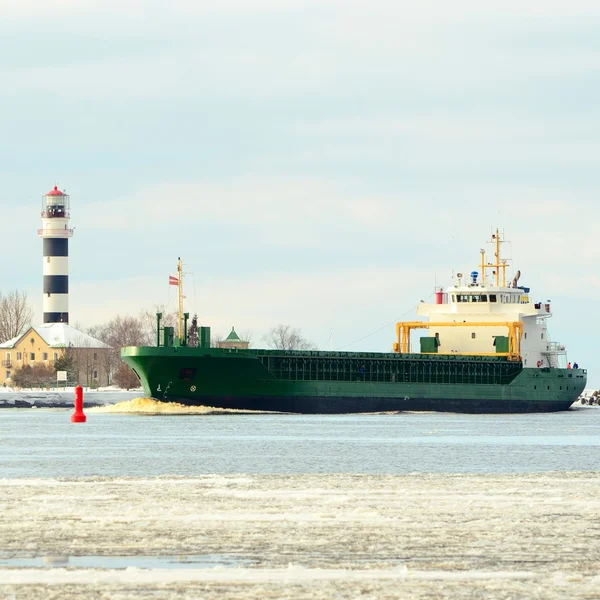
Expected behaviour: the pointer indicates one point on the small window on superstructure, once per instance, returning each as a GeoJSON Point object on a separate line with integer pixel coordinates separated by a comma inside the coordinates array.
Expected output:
{"type": "Point", "coordinates": [473, 336]}
{"type": "Point", "coordinates": [525, 335]}
{"type": "Point", "coordinates": [453, 297]}
{"type": "Point", "coordinates": [542, 336]}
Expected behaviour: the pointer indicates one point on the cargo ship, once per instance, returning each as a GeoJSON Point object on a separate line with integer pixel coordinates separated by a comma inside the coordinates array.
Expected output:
{"type": "Point", "coordinates": [486, 349]}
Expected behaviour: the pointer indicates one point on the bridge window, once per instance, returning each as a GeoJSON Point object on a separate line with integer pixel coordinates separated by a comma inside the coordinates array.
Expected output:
{"type": "Point", "coordinates": [471, 298]}
{"type": "Point", "coordinates": [492, 297]}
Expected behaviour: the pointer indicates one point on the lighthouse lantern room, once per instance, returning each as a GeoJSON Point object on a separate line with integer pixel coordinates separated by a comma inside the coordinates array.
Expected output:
{"type": "Point", "coordinates": [55, 234]}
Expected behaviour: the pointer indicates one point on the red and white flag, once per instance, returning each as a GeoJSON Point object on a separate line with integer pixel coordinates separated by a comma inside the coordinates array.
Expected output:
{"type": "Point", "coordinates": [173, 280]}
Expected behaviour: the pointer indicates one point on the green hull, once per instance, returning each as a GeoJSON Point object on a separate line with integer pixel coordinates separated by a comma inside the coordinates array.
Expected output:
{"type": "Point", "coordinates": [338, 382]}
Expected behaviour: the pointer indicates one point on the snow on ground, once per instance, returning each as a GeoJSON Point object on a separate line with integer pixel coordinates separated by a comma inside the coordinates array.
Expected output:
{"type": "Point", "coordinates": [106, 400]}
{"type": "Point", "coordinates": [310, 536]}
{"type": "Point", "coordinates": [63, 398]}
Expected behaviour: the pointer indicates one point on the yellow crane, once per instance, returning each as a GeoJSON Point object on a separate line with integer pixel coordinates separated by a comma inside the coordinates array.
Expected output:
{"type": "Point", "coordinates": [515, 331]}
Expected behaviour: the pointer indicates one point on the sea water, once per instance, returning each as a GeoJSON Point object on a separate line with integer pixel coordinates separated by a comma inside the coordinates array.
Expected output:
{"type": "Point", "coordinates": [44, 443]}
{"type": "Point", "coordinates": [213, 506]}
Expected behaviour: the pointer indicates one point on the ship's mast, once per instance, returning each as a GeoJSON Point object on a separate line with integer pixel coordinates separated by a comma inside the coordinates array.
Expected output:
{"type": "Point", "coordinates": [180, 298]}
{"type": "Point", "coordinates": [500, 262]}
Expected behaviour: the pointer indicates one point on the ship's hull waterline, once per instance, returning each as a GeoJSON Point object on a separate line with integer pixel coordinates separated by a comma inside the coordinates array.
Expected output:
{"type": "Point", "coordinates": [339, 383]}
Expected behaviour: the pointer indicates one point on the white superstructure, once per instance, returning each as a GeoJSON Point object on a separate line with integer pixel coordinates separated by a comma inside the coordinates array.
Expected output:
{"type": "Point", "coordinates": [480, 300]}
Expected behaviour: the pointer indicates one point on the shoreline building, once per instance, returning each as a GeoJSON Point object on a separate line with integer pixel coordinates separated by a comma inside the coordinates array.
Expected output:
{"type": "Point", "coordinates": [233, 340]}
{"type": "Point", "coordinates": [45, 344]}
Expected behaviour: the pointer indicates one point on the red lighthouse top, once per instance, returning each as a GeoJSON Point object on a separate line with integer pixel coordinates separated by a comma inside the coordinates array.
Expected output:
{"type": "Point", "coordinates": [55, 192]}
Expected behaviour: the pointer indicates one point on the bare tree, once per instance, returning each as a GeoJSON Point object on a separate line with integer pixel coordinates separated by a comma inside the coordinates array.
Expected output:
{"type": "Point", "coordinates": [37, 375]}
{"type": "Point", "coordinates": [246, 336]}
{"type": "Point", "coordinates": [148, 322]}
{"type": "Point", "coordinates": [285, 337]}
{"type": "Point", "coordinates": [117, 333]}
{"type": "Point", "coordinates": [125, 378]}
{"type": "Point", "coordinates": [85, 357]}
{"type": "Point", "coordinates": [15, 314]}
{"type": "Point", "coordinates": [215, 338]}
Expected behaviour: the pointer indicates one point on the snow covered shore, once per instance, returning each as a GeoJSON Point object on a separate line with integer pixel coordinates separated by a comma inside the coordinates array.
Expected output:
{"type": "Point", "coordinates": [62, 398]}
{"type": "Point", "coordinates": [309, 536]}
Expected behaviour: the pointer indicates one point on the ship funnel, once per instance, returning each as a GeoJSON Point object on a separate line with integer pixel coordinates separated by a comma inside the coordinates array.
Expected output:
{"type": "Point", "coordinates": [516, 279]}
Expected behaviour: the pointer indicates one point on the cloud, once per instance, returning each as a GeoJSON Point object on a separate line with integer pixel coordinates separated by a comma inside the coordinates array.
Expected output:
{"type": "Point", "coordinates": [317, 303]}
{"type": "Point", "coordinates": [302, 156]}
{"type": "Point", "coordinates": [426, 9]}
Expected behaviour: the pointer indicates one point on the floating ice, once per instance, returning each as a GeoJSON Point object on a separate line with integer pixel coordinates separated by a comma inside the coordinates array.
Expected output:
{"type": "Point", "coordinates": [346, 536]}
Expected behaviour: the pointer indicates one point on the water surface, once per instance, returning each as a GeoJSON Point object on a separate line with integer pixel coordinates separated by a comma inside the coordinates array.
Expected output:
{"type": "Point", "coordinates": [44, 443]}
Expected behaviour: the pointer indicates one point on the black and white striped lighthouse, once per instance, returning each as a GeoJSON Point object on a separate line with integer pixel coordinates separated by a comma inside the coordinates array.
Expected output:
{"type": "Point", "coordinates": [55, 234]}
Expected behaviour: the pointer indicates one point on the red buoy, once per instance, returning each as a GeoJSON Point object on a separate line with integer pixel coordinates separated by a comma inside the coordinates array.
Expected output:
{"type": "Point", "coordinates": [78, 416]}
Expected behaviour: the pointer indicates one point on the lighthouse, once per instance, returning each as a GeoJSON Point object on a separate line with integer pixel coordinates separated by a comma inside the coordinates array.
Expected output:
{"type": "Point", "coordinates": [55, 234]}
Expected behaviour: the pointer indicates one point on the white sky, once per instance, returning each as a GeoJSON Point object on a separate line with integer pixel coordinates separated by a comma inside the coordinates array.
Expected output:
{"type": "Point", "coordinates": [322, 164]}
